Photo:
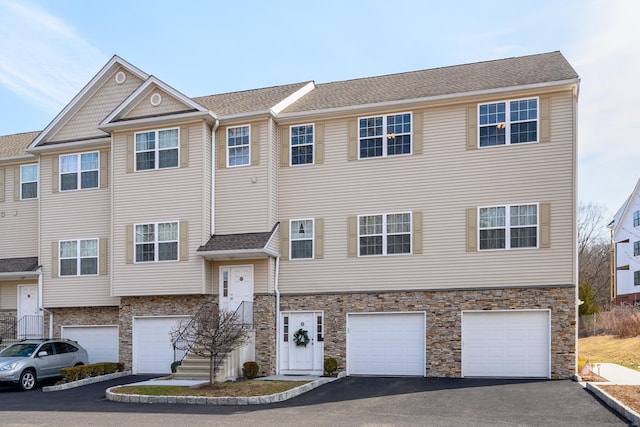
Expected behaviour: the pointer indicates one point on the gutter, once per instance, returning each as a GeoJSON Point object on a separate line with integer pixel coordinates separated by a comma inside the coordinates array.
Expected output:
{"type": "Point", "coordinates": [213, 176]}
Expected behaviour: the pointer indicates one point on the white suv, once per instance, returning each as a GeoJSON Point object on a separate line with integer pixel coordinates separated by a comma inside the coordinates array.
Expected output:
{"type": "Point", "coordinates": [26, 362]}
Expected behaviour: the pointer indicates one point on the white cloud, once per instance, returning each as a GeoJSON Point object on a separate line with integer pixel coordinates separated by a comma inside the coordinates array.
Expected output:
{"type": "Point", "coordinates": [42, 58]}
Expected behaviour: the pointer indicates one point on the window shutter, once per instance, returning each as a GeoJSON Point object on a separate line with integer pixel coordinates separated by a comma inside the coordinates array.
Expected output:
{"type": "Point", "coordinates": [352, 140]}
{"type": "Point", "coordinates": [472, 128]}
{"type": "Point", "coordinates": [221, 142]}
{"type": "Point", "coordinates": [130, 243]}
{"type": "Point", "coordinates": [16, 183]}
{"type": "Point", "coordinates": [104, 168]}
{"type": "Point", "coordinates": [318, 238]}
{"type": "Point", "coordinates": [184, 147]}
{"type": "Point", "coordinates": [416, 224]}
{"type": "Point", "coordinates": [472, 229]}
{"type": "Point", "coordinates": [352, 231]}
{"type": "Point", "coordinates": [545, 119]}
{"type": "Point", "coordinates": [130, 154]}
{"type": "Point", "coordinates": [545, 225]}
{"type": "Point", "coordinates": [284, 239]}
{"type": "Point", "coordinates": [255, 145]}
{"type": "Point", "coordinates": [1, 184]}
{"type": "Point", "coordinates": [417, 137]}
{"type": "Point", "coordinates": [285, 143]}
{"type": "Point", "coordinates": [318, 144]}
{"type": "Point", "coordinates": [184, 240]}
{"type": "Point", "coordinates": [102, 260]}
{"type": "Point", "coordinates": [55, 180]}
{"type": "Point", "coordinates": [54, 259]}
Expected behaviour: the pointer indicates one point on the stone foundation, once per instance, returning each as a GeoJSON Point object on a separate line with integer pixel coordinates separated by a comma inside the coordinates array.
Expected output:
{"type": "Point", "coordinates": [264, 322]}
{"type": "Point", "coordinates": [71, 316]}
{"type": "Point", "coordinates": [443, 316]}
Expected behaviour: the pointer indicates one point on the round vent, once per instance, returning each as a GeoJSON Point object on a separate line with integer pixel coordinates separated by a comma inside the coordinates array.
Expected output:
{"type": "Point", "coordinates": [120, 77]}
{"type": "Point", "coordinates": [156, 99]}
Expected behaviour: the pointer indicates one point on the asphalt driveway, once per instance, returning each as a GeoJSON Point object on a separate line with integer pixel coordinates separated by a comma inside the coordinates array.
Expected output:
{"type": "Point", "coordinates": [349, 401]}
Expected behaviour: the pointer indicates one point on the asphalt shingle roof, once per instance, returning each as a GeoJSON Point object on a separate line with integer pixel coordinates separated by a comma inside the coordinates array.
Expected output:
{"type": "Point", "coordinates": [18, 265]}
{"type": "Point", "coordinates": [479, 76]}
{"type": "Point", "coordinates": [236, 242]}
{"type": "Point", "coordinates": [14, 145]}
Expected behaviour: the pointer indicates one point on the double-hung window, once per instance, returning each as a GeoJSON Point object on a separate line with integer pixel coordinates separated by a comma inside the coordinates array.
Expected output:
{"type": "Point", "coordinates": [508, 122]}
{"type": "Point", "coordinates": [508, 226]}
{"type": "Point", "coordinates": [238, 146]}
{"type": "Point", "coordinates": [28, 182]}
{"type": "Point", "coordinates": [383, 136]}
{"type": "Point", "coordinates": [79, 171]}
{"type": "Point", "coordinates": [636, 248]}
{"type": "Point", "coordinates": [78, 257]}
{"type": "Point", "coordinates": [301, 145]}
{"type": "Point", "coordinates": [384, 234]}
{"type": "Point", "coordinates": [636, 278]}
{"type": "Point", "coordinates": [156, 242]}
{"type": "Point", "coordinates": [157, 149]}
{"type": "Point", "coordinates": [636, 219]}
{"type": "Point", "coordinates": [301, 238]}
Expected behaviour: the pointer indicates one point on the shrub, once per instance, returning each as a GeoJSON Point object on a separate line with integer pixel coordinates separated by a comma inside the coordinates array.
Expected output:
{"type": "Point", "coordinates": [86, 371]}
{"type": "Point", "coordinates": [621, 321]}
{"type": "Point", "coordinates": [250, 369]}
{"type": "Point", "coordinates": [330, 365]}
{"type": "Point", "coordinates": [174, 366]}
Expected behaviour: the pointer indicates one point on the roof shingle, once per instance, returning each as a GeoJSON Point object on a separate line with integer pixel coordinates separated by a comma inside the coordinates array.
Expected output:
{"type": "Point", "coordinates": [18, 265]}
{"type": "Point", "coordinates": [14, 145]}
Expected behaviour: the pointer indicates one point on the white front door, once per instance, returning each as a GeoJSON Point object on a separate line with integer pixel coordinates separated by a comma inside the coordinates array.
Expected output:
{"type": "Point", "coordinates": [236, 286]}
{"type": "Point", "coordinates": [302, 343]}
{"type": "Point", "coordinates": [29, 321]}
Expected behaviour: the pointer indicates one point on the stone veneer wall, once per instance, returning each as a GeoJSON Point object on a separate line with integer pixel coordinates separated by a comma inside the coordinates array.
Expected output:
{"type": "Point", "coordinates": [71, 316]}
{"type": "Point", "coordinates": [169, 305]}
{"type": "Point", "coordinates": [443, 317]}
{"type": "Point", "coordinates": [264, 322]}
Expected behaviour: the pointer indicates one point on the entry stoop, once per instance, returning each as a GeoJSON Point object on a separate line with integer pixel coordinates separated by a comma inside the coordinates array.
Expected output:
{"type": "Point", "coordinates": [197, 368]}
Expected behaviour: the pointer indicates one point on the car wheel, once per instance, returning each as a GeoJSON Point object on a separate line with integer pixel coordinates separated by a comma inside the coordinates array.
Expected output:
{"type": "Point", "coordinates": [28, 380]}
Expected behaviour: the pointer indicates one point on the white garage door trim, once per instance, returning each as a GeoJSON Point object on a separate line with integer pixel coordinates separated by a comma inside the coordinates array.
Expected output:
{"type": "Point", "coordinates": [506, 343]}
{"type": "Point", "coordinates": [161, 332]}
{"type": "Point", "coordinates": [100, 341]}
{"type": "Point", "coordinates": [387, 343]}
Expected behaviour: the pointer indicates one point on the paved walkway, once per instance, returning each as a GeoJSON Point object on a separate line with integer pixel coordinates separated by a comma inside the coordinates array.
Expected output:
{"type": "Point", "coordinates": [617, 374]}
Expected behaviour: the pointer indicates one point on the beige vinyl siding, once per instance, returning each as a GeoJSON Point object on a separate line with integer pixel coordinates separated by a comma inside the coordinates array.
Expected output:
{"type": "Point", "coordinates": [261, 270]}
{"type": "Point", "coordinates": [144, 108]}
{"type": "Point", "coordinates": [273, 162]}
{"type": "Point", "coordinates": [79, 214]}
{"type": "Point", "coordinates": [206, 171]}
{"type": "Point", "coordinates": [84, 123]}
{"type": "Point", "coordinates": [242, 193]}
{"type": "Point", "coordinates": [162, 195]}
{"type": "Point", "coordinates": [440, 184]}
{"type": "Point", "coordinates": [19, 225]}
{"type": "Point", "coordinates": [9, 293]}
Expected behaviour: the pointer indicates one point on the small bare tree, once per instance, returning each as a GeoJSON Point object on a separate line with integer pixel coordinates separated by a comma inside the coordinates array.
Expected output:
{"type": "Point", "coordinates": [593, 253]}
{"type": "Point", "coordinates": [211, 333]}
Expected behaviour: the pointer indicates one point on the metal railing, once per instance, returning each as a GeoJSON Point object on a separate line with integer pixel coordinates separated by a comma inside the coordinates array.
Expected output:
{"type": "Point", "coordinates": [13, 329]}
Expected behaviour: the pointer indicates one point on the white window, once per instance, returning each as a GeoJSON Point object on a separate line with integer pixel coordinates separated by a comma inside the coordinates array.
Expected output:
{"type": "Point", "coordinates": [508, 226]}
{"type": "Point", "coordinates": [156, 242]}
{"type": "Point", "coordinates": [383, 136]}
{"type": "Point", "coordinates": [28, 182]}
{"type": "Point", "coordinates": [508, 122]}
{"type": "Point", "coordinates": [301, 238]}
{"type": "Point", "coordinates": [238, 146]}
{"type": "Point", "coordinates": [157, 149]}
{"type": "Point", "coordinates": [78, 257]}
{"type": "Point", "coordinates": [301, 145]}
{"type": "Point", "coordinates": [79, 171]}
{"type": "Point", "coordinates": [384, 234]}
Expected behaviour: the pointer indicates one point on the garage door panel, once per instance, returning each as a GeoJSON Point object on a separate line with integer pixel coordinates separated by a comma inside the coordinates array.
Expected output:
{"type": "Point", "coordinates": [152, 347]}
{"type": "Point", "coordinates": [101, 342]}
{"type": "Point", "coordinates": [386, 344]}
{"type": "Point", "coordinates": [506, 344]}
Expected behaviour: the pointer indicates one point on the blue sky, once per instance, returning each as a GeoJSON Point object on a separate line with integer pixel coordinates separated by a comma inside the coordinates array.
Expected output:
{"type": "Point", "coordinates": [49, 49]}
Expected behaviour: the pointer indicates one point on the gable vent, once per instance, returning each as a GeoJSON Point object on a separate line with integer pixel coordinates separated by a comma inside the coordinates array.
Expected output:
{"type": "Point", "coordinates": [156, 99]}
{"type": "Point", "coordinates": [120, 77]}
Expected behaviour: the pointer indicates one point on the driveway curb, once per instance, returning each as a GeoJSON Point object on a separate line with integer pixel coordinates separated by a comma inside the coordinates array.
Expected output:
{"type": "Point", "coordinates": [86, 381]}
{"type": "Point", "coordinates": [203, 400]}
{"type": "Point", "coordinates": [615, 404]}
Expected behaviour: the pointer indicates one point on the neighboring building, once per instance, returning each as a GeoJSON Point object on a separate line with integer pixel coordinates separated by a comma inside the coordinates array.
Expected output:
{"type": "Point", "coordinates": [625, 247]}
{"type": "Point", "coordinates": [420, 223]}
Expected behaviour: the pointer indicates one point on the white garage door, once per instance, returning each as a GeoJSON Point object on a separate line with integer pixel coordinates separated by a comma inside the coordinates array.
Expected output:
{"type": "Point", "coordinates": [152, 348]}
{"type": "Point", "coordinates": [386, 344]}
{"type": "Point", "coordinates": [101, 342]}
{"type": "Point", "coordinates": [506, 344]}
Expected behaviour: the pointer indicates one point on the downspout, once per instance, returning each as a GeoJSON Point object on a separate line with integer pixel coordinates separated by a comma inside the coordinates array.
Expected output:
{"type": "Point", "coordinates": [213, 176]}
{"type": "Point", "coordinates": [277, 290]}
{"type": "Point", "coordinates": [41, 306]}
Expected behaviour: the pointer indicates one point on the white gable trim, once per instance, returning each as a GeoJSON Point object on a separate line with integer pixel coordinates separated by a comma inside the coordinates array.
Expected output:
{"type": "Point", "coordinates": [85, 94]}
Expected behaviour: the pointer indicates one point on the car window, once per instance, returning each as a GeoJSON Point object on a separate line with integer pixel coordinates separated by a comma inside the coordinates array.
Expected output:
{"type": "Point", "coordinates": [18, 350]}
{"type": "Point", "coordinates": [48, 347]}
{"type": "Point", "coordinates": [64, 347]}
